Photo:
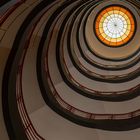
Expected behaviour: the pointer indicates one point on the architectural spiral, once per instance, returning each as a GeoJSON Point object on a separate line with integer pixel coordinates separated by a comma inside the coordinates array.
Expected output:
{"type": "Point", "coordinates": [81, 58]}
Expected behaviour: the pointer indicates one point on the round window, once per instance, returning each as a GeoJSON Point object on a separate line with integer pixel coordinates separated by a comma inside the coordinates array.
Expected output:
{"type": "Point", "coordinates": [115, 26]}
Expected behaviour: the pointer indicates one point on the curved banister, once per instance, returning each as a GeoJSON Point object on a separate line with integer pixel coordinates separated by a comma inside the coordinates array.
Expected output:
{"type": "Point", "coordinates": [102, 66]}
{"type": "Point", "coordinates": [9, 11]}
{"type": "Point", "coordinates": [28, 126]}
{"type": "Point", "coordinates": [97, 93]}
{"type": "Point", "coordinates": [92, 74]}
{"type": "Point", "coordinates": [29, 129]}
{"type": "Point", "coordinates": [75, 110]}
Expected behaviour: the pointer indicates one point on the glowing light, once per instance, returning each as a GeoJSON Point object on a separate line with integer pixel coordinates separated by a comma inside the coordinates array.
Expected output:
{"type": "Point", "coordinates": [114, 26]}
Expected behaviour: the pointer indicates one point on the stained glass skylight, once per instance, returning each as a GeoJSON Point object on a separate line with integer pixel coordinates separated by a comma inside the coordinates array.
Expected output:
{"type": "Point", "coordinates": [115, 26]}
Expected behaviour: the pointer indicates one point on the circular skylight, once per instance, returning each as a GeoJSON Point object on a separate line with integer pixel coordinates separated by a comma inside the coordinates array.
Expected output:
{"type": "Point", "coordinates": [114, 26]}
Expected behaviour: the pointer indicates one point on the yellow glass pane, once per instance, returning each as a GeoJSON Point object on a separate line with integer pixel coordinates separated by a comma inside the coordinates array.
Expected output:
{"type": "Point", "coordinates": [102, 19]}
{"type": "Point", "coordinates": [129, 27]}
{"type": "Point", "coordinates": [121, 13]}
{"type": "Point", "coordinates": [106, 42]}
{"type": "Point", "coordinates": [115, 11]}
{"type": "Point", "coordinates": [101, 30]}
{"type": "Point", "coordinates": [111, 12]}
{"type": "Point", "coordinates": [119, 39]}
{"type": "Point", "coordinates": [100, 25]}
{"type": "Point", "coordinates": [126, 39]}
{"type": "Point", "coordinates": [104, 35]}
{"type": "Point", "coordinates": [123, 36]}
{"type": "Point", "coordinates": [113, 40]}
{"type": "Point", "coordinates": [125, 16]}
{"type": "Point", "coordinates": [128, 22]}
{"type": "Point", "coordinates": [127, 32]}
{"type": "Point", "coordinates": [106, 15]}
{"type": "Point", "coordinates": [108, 38]}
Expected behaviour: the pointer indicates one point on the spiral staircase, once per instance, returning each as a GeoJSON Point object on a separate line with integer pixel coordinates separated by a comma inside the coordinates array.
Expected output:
{"type": "Point", "coordinates": [59, 80]}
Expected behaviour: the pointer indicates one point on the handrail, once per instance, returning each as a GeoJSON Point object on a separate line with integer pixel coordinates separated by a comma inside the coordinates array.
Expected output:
{"type": "Point", "coordinates": [76, 111]}
{"type": "Point", "coordinates": [95, 75]}
{"type": "Point", "coordinates": [27, 124]}
{"type": "Point", "coordinates": [121, 59]}
{"type": "Point", "coordinates": [29, 129]}
{"type": "Point", "coordinates": [135, 60]}
{"type": "Point", "coordinates": [98, 93]}
{"type": "Point", "coordinates": [110, 77]}
{"type": "Point", "coordinates": [95, 91]}
{"type": "Point", "coordinates": [81, 113]}
{"type": "Point", "coordinates": [9, 11]}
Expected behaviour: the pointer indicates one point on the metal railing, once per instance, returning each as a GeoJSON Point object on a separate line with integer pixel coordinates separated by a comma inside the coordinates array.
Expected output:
{"type": "Point", "coordinates": [9, 11]}
{"type": "Point", "coordinates": [85, 114]}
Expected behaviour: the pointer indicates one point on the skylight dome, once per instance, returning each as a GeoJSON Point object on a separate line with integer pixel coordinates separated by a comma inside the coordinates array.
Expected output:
{"type": "Point", "coordinates": [115, 26]}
